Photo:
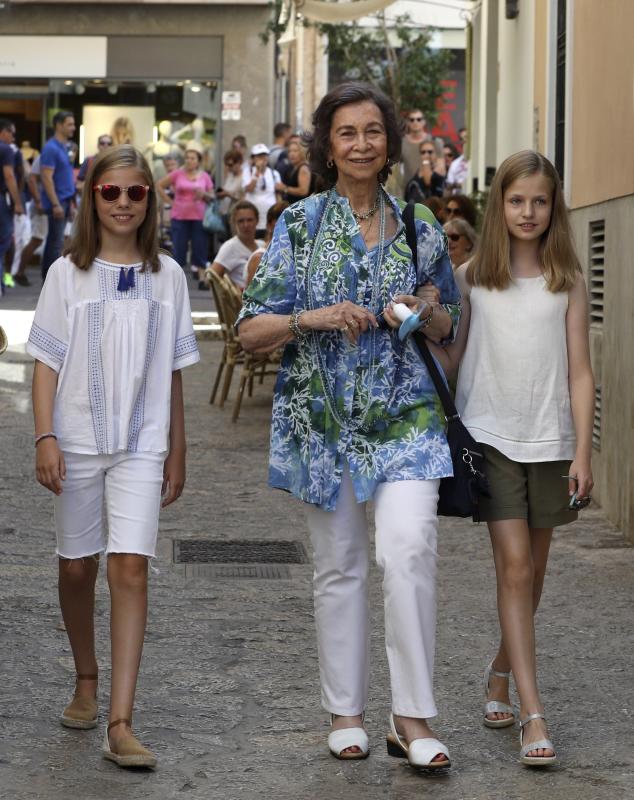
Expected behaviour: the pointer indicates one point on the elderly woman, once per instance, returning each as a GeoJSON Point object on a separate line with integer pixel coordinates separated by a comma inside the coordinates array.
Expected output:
{"type": "Point", "coordinates": [355, 413]}
{"type": "Point", "coordinates": [461, 240]}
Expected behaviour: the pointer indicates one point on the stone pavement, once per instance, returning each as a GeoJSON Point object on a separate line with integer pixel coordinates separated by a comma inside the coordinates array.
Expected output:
{"type": "Point", "coordinates": [228, 693]}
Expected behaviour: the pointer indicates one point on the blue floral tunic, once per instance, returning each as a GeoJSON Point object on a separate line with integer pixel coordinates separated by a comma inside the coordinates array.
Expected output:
{"type": "Point", "coordinates": [390, 423]}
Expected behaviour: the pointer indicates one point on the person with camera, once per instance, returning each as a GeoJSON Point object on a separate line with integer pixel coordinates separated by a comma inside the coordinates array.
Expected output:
{"type": "Point", "coordinates": [428, 181]}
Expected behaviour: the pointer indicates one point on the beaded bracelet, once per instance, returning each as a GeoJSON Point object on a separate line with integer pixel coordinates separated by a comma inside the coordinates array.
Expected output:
{"type": "Point", "coordinates": [427, 320]}
{"type": "Point", "coordinates": [293, 324]}
{"type": "Point", "coordinates": [42, 436]}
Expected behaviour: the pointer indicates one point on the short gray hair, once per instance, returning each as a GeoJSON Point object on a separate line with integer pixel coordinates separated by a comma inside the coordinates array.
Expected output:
{"type": "Point", "coordinates": [461, 226]}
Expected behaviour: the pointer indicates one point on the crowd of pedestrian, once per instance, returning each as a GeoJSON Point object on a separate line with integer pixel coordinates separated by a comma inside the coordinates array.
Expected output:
{"type": "Point", "coordinates": [41, 194]}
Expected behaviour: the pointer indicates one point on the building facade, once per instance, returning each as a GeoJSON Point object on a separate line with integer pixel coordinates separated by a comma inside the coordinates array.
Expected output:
{"type": "Point", "coordinates": [148, 63]}
{"type": "Point", "coordinates": [556, 75]}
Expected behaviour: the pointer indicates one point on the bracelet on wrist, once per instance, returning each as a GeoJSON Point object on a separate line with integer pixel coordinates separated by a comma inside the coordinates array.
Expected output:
{"type": "Point", "coordinates": [426, 321]}
{"type": "Point", "coordinates": [293, 324]}
{"type": "Point", "coordinates": [42, 436]}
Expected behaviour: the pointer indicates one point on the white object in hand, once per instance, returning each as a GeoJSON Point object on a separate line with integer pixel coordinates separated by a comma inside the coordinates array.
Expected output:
{"type": "Point", "coordinates": [401, 311]}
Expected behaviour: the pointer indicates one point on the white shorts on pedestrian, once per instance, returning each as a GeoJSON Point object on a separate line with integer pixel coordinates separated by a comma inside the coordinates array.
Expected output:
{"type": "Point", "coordinates": [39, 224]}
{"type": "Point", "coordinates": [129, 485]}
{"type": "Point", "coordinates": [406, 525]}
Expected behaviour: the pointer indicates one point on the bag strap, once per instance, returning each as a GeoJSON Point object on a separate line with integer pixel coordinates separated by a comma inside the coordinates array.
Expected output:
{"type": "Point", "coordinates": [408, 213]}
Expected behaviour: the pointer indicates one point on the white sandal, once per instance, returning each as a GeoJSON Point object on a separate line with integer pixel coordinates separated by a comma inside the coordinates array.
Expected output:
{"type": "Point", "coordinates": [495, 706]}
{"type": "Point", "coordinates": [418, 752]}
{"type": "Point", "coordinates": [340, 740]}
{"type": "Point", "coordinates": [540, 744]}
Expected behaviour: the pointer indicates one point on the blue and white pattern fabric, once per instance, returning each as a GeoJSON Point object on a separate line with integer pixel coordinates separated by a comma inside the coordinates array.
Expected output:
{"type": "Point", "coordinates": [381, 386]}
{"type": "Point", "coordinates": [115, 352]}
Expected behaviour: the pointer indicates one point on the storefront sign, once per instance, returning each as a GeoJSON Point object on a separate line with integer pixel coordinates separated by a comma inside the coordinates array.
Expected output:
{"type": "Point", "coordinates": [232, 105]}
{"type": "Point", "coordinates": [52, 56]}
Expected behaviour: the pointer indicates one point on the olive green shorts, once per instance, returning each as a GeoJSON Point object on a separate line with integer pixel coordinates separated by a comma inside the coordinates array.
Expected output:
{"type": "Point", "coordinates": [535, 492]}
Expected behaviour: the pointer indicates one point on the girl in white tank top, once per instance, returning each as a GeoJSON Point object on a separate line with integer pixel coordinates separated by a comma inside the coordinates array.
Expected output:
{"type": "Point", "coordinates": [526, 391]}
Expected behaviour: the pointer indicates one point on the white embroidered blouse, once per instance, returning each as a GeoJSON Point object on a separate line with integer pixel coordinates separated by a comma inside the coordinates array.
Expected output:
{"type": "Point", "coordinates": [114, 351]}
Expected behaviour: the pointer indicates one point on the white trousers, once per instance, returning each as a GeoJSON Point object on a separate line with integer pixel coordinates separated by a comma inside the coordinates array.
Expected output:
{"type": "Point", "coordinates": [406, 526]}
{"type": "Point", "coordinates": [21, 237]}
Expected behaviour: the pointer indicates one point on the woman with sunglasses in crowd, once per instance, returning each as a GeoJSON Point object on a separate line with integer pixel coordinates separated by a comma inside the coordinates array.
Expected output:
{"type": "Point", "coordinates": [461, 241]}
{"type": "Point", "coordinates": [111, 333]}
{"type": "Point", "coordinates": [459, 205]}
{"type": "Point", "coordinates": [428, 181]}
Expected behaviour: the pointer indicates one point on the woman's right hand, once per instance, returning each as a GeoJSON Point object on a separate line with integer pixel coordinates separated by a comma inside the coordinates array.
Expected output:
{"type": "Point", "coordinates": [346, 317]}
{"type": "Point", "coordinates": [50, 468]}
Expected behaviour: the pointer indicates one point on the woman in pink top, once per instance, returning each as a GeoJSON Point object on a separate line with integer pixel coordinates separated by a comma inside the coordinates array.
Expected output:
{"type": "Point", "coordinates": [193, 189]}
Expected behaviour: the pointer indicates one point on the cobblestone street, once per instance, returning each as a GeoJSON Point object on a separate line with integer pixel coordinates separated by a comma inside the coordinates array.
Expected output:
{"type": "Point", "coordinates": [228, 694]}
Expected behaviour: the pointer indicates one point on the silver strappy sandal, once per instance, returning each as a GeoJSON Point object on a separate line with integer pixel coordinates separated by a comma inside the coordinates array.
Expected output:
{"type": "Point", "coordinates": [495, 706]}
{"type": "Point", "coordinates": [540, 744]}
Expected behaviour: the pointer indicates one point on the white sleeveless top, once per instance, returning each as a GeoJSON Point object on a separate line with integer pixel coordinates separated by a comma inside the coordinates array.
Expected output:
{"type": "Point", "coordinates": [512, 389]}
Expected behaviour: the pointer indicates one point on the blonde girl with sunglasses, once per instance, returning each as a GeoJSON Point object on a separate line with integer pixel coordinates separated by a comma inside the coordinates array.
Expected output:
{"type": "Point", "coordinates": [526, 392]}
{"type": "Point", "coordinates": [111, 333]}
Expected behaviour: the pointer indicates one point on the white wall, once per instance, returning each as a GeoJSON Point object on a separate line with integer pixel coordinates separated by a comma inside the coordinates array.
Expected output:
{"type": "Point", "coordinates": [516, 47]}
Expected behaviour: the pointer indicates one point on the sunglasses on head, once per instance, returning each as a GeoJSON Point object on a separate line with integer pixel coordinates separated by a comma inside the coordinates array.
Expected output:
{"type": "Point", "coordinates": [454, 236]}
{"type": "Point", "coordinates": [110, 192]}
{"type": "Point", "coordinates": [416, 119]}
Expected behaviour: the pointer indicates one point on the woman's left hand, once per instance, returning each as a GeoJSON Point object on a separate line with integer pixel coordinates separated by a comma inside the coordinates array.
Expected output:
{"type": "Point", "coordinates": [581, 470]}
{"type": "Point", "coordinates": [173, 477]}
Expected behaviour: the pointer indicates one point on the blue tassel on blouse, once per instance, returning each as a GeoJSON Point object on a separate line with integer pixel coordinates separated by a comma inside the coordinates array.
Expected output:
{"type": "Point", "coordinates": [126, 283]}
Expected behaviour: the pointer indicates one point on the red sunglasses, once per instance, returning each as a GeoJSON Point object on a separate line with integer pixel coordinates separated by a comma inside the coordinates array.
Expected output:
{"type": "Point", "coordinates": [111, 192]}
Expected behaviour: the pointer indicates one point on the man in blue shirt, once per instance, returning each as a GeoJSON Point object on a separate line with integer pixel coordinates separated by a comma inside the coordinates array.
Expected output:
{"type": "Point", "coordinates": [10, 197]}
{"type": "Point", "coordinates": [59, 185]}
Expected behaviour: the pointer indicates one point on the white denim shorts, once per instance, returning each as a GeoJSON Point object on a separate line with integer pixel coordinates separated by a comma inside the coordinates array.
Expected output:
{"type": "Point", "coordinates": [130, 484]}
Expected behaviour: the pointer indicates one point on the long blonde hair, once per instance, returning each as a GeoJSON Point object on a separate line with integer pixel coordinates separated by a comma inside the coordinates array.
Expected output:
{"type": "Point", "coordinates": [491, 265]}
{"type": "Point", "coordinates": [122, 131]}
{"type": "Point", "coordinates": [86, 238]}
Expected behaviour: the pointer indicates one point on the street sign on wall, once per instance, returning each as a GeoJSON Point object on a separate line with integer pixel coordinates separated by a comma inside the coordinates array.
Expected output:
{"type": "Point", "coordinates": [231, 105]}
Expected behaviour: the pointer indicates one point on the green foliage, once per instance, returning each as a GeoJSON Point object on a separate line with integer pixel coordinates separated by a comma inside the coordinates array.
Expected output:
{"type": "Point", "coordinates": [398, 59]}
{"type": "Point", "coordinates": [273, 27]}
{"type": "Point", "coordinates": [480, 199]}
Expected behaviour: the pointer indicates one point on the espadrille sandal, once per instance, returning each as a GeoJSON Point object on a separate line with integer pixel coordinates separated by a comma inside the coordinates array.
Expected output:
{"type": "Point", "coordinates": [81, 712]}
{"type": "Point", "coordinates": [130, 752]}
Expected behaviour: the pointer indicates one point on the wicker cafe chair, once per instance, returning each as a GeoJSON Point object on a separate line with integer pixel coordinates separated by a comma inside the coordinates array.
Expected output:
{"type": "Point", "coordinates": [232, 353]}
{"type": "Point", "coordinates": [228, 303]}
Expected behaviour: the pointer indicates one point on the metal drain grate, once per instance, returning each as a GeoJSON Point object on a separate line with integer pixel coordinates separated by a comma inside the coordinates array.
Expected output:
{"type": "Point", "coordinates": [206, 551]}
{"type": "Point", "coordinates": [231, 571]}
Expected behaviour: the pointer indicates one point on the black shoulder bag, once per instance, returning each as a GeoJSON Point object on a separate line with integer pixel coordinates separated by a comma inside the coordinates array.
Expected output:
{"type": "Point", "coordinates": [459, 496]}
